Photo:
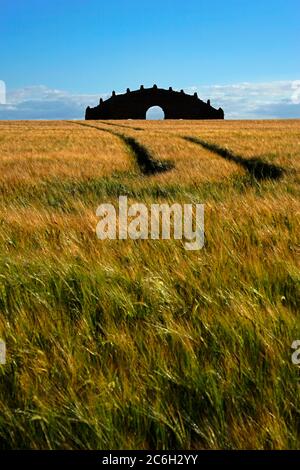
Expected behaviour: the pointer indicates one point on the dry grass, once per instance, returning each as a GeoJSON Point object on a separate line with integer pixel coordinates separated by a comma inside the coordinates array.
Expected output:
{"type": "Point", "coordinates": [32, 152]}
{"type": "Point", "coordinates": [193, 164]}
{"type": "Point", "coordinates": [142, 344]}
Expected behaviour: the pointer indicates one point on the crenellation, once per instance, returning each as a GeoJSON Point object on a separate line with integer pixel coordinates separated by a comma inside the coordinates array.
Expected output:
{"type": "Point", "coordinates": [176, 105]}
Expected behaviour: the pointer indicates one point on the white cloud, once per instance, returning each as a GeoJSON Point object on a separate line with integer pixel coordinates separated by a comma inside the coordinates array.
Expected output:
{"type": "Point", "coordinates": [40, 102]}
{"type": "Point", "coordinates": [278, 99]}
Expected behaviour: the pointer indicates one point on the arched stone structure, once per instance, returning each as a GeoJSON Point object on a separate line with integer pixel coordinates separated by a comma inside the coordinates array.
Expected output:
{"type": "Point", "coordinates": [135, 104]}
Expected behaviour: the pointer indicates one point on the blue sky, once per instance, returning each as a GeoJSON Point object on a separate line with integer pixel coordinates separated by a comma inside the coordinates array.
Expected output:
{"type": "Point", "coordinates": [65, 54]}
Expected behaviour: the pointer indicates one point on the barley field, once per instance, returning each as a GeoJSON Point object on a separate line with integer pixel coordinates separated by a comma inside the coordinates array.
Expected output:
{"type": "Point", "coordinates": [141, 344]}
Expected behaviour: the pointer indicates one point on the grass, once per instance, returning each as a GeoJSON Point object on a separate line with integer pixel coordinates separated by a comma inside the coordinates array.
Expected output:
{"type": "Point", "coordinates": [259, 169]}
{"type": "Point", "coordinates": [142, 344]}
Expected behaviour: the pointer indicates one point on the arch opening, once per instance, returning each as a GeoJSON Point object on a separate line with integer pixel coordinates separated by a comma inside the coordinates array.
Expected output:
{"type": "Point", "coordinates": [155, 113]}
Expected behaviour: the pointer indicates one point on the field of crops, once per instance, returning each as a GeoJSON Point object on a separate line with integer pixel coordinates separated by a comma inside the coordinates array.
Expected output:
{"type": "Point", "coordinates": [139, 344]}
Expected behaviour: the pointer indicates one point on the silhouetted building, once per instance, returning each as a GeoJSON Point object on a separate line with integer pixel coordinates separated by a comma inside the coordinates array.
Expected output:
{"type": "Point", "coordinates": [135, 104]}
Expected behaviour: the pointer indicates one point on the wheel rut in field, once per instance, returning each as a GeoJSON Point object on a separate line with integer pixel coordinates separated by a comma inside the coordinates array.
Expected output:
{"type": "Point", "coordinates": [121, 125]}
{"type": "Point", "coordinates": [256, 167]}
{"type": "Point", "coordinates": [148, 164]}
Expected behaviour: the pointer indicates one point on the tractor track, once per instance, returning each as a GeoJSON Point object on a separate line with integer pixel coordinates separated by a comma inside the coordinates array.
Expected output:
{"type": "Point", "coordinates": [258, 168]}
{"type": "Point", "coordinates": [148, 164]}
